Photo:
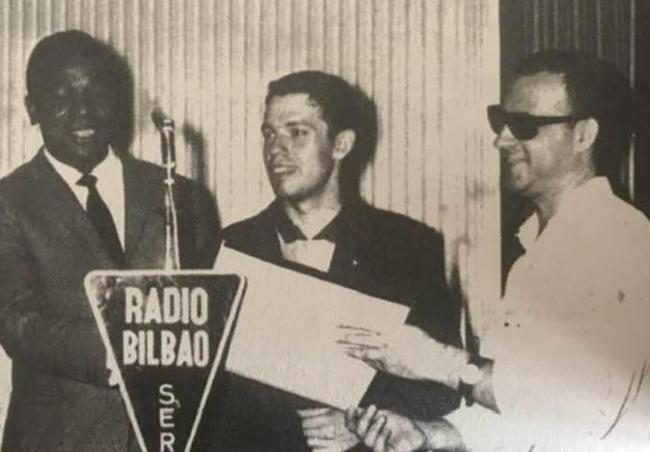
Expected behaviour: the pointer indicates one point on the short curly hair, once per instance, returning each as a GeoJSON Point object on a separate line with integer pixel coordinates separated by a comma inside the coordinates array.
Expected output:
{"type": "Point", "coordinates": [339, 101]}
{"type": "Point", "coordinates": [56, 50]}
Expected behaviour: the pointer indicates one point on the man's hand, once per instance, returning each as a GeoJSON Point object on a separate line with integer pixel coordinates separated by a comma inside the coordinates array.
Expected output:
{"type": "Point", "coordinates": [407, 352]}
{"type": "Point", "coordinates": [111, 366]}
{"type": "Point", "coordinates": [385, 431]}
{"type": "Point", "coordinates": [325, 430]}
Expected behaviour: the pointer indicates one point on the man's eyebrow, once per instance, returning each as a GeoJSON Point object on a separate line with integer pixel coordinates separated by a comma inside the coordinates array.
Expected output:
{"type": "Point", "coordinates": [291, 123]}
{"type": "Point", "coordinates": [299, 123]}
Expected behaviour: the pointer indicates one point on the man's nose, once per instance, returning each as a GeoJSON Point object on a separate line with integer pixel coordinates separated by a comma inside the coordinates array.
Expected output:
{"type": "Point", "coordinates": [504, 139]}
{"type": "Point", "coordinates": [81, 105]}
{"type": "Point", "coordinates": [279, 143]}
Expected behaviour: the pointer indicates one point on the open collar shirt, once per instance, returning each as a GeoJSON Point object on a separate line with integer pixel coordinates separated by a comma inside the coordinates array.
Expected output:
{"type": "Point", "coordinates": [571, 339]}
{"type": "Point", "coordinates": [315, 252]}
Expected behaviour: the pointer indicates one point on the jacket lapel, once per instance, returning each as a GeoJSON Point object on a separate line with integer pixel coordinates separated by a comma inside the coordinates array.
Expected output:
{"type": "Point", "coordinates": [346, 263]}
{"type": "Point", "coordinates": [143, 204]}
{"type": "Point", "coordinates": [266, 244]}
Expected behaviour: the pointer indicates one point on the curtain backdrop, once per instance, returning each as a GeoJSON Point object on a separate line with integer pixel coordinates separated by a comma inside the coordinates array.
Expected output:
{"type": "Point", "coordinates": [430, 65]}
{"type": "Point", "coordinates": [604, 27]}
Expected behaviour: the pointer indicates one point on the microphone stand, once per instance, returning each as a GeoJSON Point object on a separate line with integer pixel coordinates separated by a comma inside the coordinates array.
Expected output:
{"type": "Point", "coordinates": [166, 127]}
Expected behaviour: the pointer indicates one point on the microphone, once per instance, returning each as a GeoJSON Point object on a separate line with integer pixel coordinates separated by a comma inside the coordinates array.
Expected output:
{"type": "Point", "coordinates": [165, 125]}
{"type": "Point", "coordinates": [160, 119]}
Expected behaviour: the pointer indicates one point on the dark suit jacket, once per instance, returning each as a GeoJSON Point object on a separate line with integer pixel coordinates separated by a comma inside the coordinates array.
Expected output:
{"type": "Point", "coordinates": [60, 399]}
{"type": "Point", "coordinates": [377, 252]}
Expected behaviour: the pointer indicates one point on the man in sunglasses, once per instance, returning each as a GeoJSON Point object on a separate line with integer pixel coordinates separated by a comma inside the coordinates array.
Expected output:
{"type": "Point", "coordinates": [565, 365]}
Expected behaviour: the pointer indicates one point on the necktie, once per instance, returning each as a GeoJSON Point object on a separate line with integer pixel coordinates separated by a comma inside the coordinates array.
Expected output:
{"type": "Point", "coordinates": [102, 219]}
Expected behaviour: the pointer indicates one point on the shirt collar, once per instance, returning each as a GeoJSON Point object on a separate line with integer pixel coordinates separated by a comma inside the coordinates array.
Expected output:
{"type": "Point", "coordinates": [68, 173]}
{"type": "Point", "coordinates": [290, 232]}
{"type": "Point", "coordinates": [577, 203]}
{"type": "Point", "coordinates": [107, 168]}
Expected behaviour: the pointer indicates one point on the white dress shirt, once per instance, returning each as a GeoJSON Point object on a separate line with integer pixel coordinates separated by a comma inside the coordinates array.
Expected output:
{"type": "Point", "coordinates": [312, 252]}
{"type": "Point", "coordinates": [110, 185]}
{"type": "Point", "coordinates": [571, 341]}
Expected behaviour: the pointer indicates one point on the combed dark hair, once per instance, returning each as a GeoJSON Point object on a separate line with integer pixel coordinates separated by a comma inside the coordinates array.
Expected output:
{"type": "Point", "coordinates": [55, 51]}
{"type": "Point", "coordinates": [597, 89]}
{"type": "Point", "coordinates": [343, 106]}
{"type": "Point", "coordinates": [337, 99]}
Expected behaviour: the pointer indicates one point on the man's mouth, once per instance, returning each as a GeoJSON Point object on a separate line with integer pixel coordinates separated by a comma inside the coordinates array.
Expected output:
{"type": "Point", "coordinates": [280, 170]}
{"type": "Point", "coordinates": [512, 157]}
{"type": "Point", "coordinates": [83, 134]}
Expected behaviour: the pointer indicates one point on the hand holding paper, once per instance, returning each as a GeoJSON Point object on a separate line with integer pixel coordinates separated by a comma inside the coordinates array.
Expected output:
{"type": "Point", "coordinates": [385, 431]}
{"type": "Point", "coordinates": [111, 366]}
{"type": "Point", "coordinates": [406, 352]}
{"type": "Point", "coordinates": [325, 430]}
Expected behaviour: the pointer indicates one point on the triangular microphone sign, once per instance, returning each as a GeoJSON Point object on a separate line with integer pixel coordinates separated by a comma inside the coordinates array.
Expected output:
{"type": "Point", "coordinates": [167, 332]}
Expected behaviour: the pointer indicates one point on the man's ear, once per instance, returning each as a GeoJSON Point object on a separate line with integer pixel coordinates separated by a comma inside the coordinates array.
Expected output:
{"type": "Point", "coordinates": [31, 110]}
{"type": "Point", "coordinates": [585, 133]}
{"type": "Point", "coordinates": [343, 143]}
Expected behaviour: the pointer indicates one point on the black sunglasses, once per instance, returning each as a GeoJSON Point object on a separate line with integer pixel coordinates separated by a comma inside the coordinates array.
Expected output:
{"type": "Point", "coordinates": [523, 125]}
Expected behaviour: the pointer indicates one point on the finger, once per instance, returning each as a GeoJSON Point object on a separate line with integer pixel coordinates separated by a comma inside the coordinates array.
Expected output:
{"type": "Point", "coordinates": [374, 358]}
{"type": "Point", "coordinates": [317, 422]}
{"type": "Point", "coordinates": [113, 380]}
{"type": "Point", "coordinates": [319, 433]}
{"type": "Point", "coordinates": [311, 412]}
{"type": "Point", "coordinates": [364, 422]}
{"type": "Point", "coordinates": [362, 341]}
{"type": "Point", "coordinates": [360, 333]}
{"type": "Point", "coordinates": [111, 366]}
{"type": "Point", "coordinates": [318, 443]}
{"type": "Point", "coordinates": [365, 353]}
{"type": "Point", "coordinates": [376, 427]}
{"type": "Point", "coordinates": [352, 416]}
{"type": "Point", "coordinates": [383, 441]}
{"type": "Point", "coordinates": [355, 352]}
{"type": "Point", "coordinates": [359, 329]}
{"type": "Point", "coordinates": [362, 338]}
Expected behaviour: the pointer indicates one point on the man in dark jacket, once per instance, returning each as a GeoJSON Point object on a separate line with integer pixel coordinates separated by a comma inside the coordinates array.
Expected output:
{"type": "Point", "coordinates": [315, 138]}
{"type": "Point", "coordinates": [78, 206]}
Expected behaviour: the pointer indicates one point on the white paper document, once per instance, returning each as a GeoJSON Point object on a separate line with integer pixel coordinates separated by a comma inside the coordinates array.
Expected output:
{"type": "Point", "coordinates": [287, 330]}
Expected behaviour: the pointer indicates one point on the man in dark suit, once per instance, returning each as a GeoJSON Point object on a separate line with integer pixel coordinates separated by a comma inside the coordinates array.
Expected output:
{"type": "Point", "coordinates": [316, 134]}
{"type": "Point", "coordinates": [78, 206]}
